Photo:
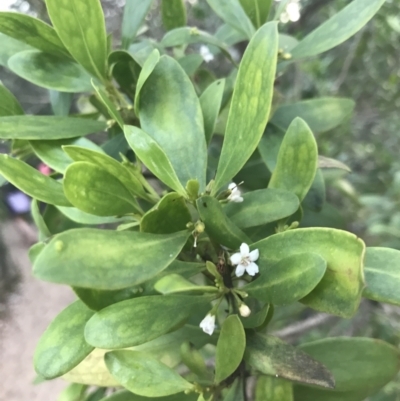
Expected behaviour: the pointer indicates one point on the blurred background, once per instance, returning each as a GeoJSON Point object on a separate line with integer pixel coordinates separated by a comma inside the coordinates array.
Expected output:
{"type": "Point", "coordinates": [366, 68]}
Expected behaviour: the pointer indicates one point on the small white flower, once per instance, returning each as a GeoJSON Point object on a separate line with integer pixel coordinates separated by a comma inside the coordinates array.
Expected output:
{"type": "Point", "coordinates": [206, 54]}
{"type": "Point", "coordinates": [235, 195]}
{"type": "Point", "coordinates": [208, 324]}
{"type": "Point", "coordinates": [244, 310]}
{"type": "Point", "coordinates": [245, 261]}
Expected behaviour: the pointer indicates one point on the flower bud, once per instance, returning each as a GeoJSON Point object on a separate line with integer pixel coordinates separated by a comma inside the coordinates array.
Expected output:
{"type": "Point", "coordinates": [244, 310]}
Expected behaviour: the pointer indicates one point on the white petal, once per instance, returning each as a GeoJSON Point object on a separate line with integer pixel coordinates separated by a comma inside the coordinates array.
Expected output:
{"type": "Point", "coordinates": [244, 250]}
{"type": "Point", "coordinates": [252, 269]}
{"type": "Point", "coordinates": [236, 258]}
{"type": "Point", "coordinates": [232, 186]}
{"type": "Point", "coordinates": [244, 310]}
{"type": "Point", "coordinates": [240, 270]}
{"type": "Point", "coordinates": [238, 199]}
{"type": "Point", "coordinates": [208, 324]}
{"type": "Point", "coordinates": [254, 255]}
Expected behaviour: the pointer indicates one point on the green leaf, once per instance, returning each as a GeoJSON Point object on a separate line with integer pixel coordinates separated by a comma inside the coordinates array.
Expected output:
{"type": "Point", "coordinates": [154, 316]}
{"type": "Point", "coordinates": [135, 12]}
{"type": "Point", "coordinates": [273, 389]}
{"type": "Point", "coordinates": [190, 63]}
{"type": "Point", "coordinates": [229, 35]}
{"type": "Point", "coordinates": [9, 105]}
{"type": "Point", "coordinates": [261, 207]}
{"type": "Point", "coordinates": [94, 190]}
{"type": "Point", "coordinates": [73, 392]}
{"type": "Point", "coordinates": [316, 196]}
{"type": "Point", "coordinates": [337, 29]}
{"type": "Point", "coordinates": [269, 146]}
{"type": "Point", "coordinates": [360, 366]}
{"type": "Point", "coordinates": [321, 114]}
{"type": "Point", "coordinates": [50, 71]}
{"type": "Point", "coordinates": [327, 162]}
{"type": "Point", "coordinates": [40, 223]}
{"type": "Point", "coordinates": [80, 26]}
{"type": "Point", "coordinates": [62, 346]}
{"type": "Point", "coordinates": [174, 283]}
{"type": "Point", "coordinates": [289, 280]}
{"type": "Point", "coordinates": [235, 392]}
{"type": "Point", "coordinates": [297, 160]}
{"type": "Point", "coordinates": [233, 14]}
{"type": "Point", "coordinates": [339, 292]}
{"type": "Point", "coordinates": [217, 224]}
{"type": "Point", "coordinates": [33, 32]}
{"type": "Point", "coordinates": [10, 47]}
{"type": "Point", "coordinates": [47, 127]}
{"type": "Point", "coordinates": [230, 348]}
{"type": "Point", "coordinates": [250, 105]}
{"type": "Point", "coordinates": [210, 101]}
{"type": "Point", "coordinates": [128, 396]}
{"type": "Point", "coordinates": [169, 216]}
{"type": "Point", "coordinates": [273, 357]}
{"type": "Point", "coordinates": [257, 10]}
{"type": "Point", "coordinates": [144, 375]}
{"type": "Point", "coordinates": [32, 182]}
{"type": "Point", "coordinates": [259, 313]}
{"type": "Point", "coordinates": [153, 156]}
{"type": "Point", "coordinates": [87, 257]}
{"type": "Point", "coordinates": [173, 13]}
{"type": "Point", "coordinates": [170, 113]}
{"type": "Point", "coordinates": [382, 274]}
{"type": "Point", "coordinates": [193, 359]}
{"type": "Point", "coordinates": [60, 102]}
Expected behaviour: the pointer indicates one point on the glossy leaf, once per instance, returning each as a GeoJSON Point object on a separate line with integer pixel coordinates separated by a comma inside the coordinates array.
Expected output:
{"type": "Point", "coordinates": [9, 105]}
{"type": "Point", "coordinates": [94, 190]}
{"type": "Point", "coordinates": [251, 102]}
{"type": "Point", "coordinates": [273, 389]}
{"type": "Point", "coordinates": [170, 215]}
{"type": "Point", "coordinates": [261, 207]}
{"type": "Point", "coordinates": [144, 375]}
{"type": "Point", "coordinates": [210, 101]}
{"type": "Point", "coordinates": [62, 346]}
{"type": "Point", "coordinates": [154, 157]}
{"type": "Point", "coordinates": [174, 283]}
{"type": "Point", "coordinates": [382, 274]}
{"type": "Point", "coordinates": [218, 226]}
{"type": "Point", "coordinates": [321, 114]}
{"type": "Point", "coordinates": [257, 10]}
{"type": "Point", "coordinates": [80, 26]}
{"type": "Point", "coordinates": [50, 71]}
{"type": "Point", "coordinates": [33, 32]}
{"type": "Point", "coordinates": [230, 348]}
{"type": "Point", "coordinates": [273, 357]}
{"type": "Point", "coordinates": [297, 160]}
{"type": "Point", "coordinates": [60, 102]}
{"type": "Point", "coordinates": [337, 29]}
{"type": "Point", "coordinates": [32, 182]}
{"type": "Point", "coordinates": [289, 280]}
{"type": "Point", "coordinates": [173, 13]}
{"type": "Point", "coordinates": [10, 47]}
{"type": "Point", "coordinates": [339, 292]}
{"type": "Point", "coordinates": [125, 70]}
{"type": "Point", "coordinates": [233, 14]}
{"type": "Point", "coordinates": [170, 113]}
{"type": "Point", "coordinates": [153, 316]}
{"type": "Point", "coordinates": [39, 221]}
{"type": "Point", "coordinates": [360, 366]}
{"type": "Point", "coordinates": [87, 257]}
{"type": "Point", "coordinates": [135, 12]}
{"type": "Point", "coordinates": [47, 127]}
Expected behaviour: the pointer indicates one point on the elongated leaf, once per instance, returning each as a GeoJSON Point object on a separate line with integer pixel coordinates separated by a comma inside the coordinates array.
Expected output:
{"type": "Point", "coordinates": [40, 223]}
{"type": "Point", "coordinates": [60, 102]}
{"type": "Point", "coordinates": [321, 114]}
{"type": "Point", "coordinates": [261, 207]}
{"type": "Point", "coordinates": [144, 375]}
{"type": "Point", "coordinates": [289, 280]}
{"type": "Point", "coordinates": [339, 292]}
{"type": "Point", "coordinates": [229, 35]}
{"type": "Point", "coordinates": [10, 47]}
{"type": "Point", "coordinates": [174, 283]}
{"type": "Point", "coordinates": [327, 162]}
{"type": "Point", "coordinates": [297, 160]}
{"type": "Point", "coordinates": [50, 71]}
{"type": "Point", "coordinates": [273, 389]}
{"type": "Point", "coordinates": [170, 113]}
{"type": "Point", "coordinates": [154, 157]}
{"type": "Point", "coordinates": [337, 29]}
{"type": "Point", "coordinates": [273, 357]}
{"type": "Point", "coordinates": [210, 101]}
{"type": "Point", "coordinates": [235, 392]}
{"type": "Point", "coordinates": [382, 274]}
{"type": "Point", "coordinates": [233, 14]}
{"type": "Point", "coordinates": [80, 26]}
{"type": "Point", "coordinates": [135, 12]}
{"type": "Point", "coordinates": [33, 32]}
{"type": "Point", "coordinates": [360, 366]}
{"type": "Point", "coordinates": [191, 63]}
{"type": "Point", "coordinates": [269, 146]}
{"type": "Point", "coordinates": [94, 190]}
{"type": "Point", "coordinates": [217, 224]}
{"type": "Point", "coordinates": [9, 105]}
{"type": "Point", "coordinates": [32, 182]}
{"type": "Point", "coordinates": [73, 392]}
{"type": "Point", "coordinates": [232, 337]}
{"type": "Point", "coordinates": [316, 196]}
{"type": "Point", "coordinates": [173, 13]}
{"type": "Point", "coordinates": [128, 396]}
{"type": "Point", "coordinates": [62, 346]}
{"type": "Point", "coordinates": [153, 316]}
{"type": "Point", "coordinates": [87, 257]}
{"type": "Point", "coordinates": [250, 105]}
{"type": "Point", "coordinates": [257, 10]}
